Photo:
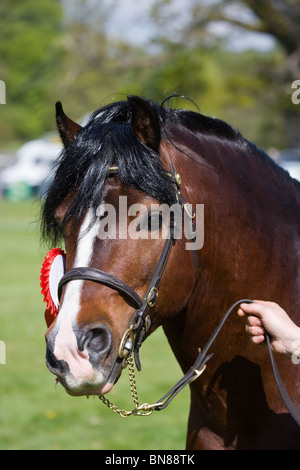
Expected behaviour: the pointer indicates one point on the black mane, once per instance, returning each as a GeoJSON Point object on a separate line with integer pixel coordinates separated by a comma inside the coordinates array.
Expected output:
{"type": "Point", "coordinates": [109, 140]}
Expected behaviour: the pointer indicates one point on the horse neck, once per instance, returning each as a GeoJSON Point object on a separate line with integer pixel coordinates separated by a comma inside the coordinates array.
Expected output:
{"type": "Point", "coordinates": [248, 200]}
{"type": "Point", "coordinates": [251, 208]}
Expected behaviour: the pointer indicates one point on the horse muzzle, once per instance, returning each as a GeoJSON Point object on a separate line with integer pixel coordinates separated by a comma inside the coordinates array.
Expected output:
{"type": "Point", "coordinates": [84, 361]}
{"type": "Point", "coordinates": [75, 355]}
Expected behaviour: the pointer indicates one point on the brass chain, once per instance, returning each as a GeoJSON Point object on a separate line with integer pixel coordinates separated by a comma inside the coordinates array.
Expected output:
{"type": "Point", "coordinates": [139, 410]}
{"type": "Point", "coordinates": [133, 392]}
{"type": "Point", "coordinates": [132, 381]}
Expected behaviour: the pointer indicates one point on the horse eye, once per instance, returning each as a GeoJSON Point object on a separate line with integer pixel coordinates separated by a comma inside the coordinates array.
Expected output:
{"type": "Point", "coordinates": [154, 221]}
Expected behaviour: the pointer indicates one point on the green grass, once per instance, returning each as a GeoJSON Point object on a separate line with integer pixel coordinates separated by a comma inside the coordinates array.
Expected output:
{"type": "Point", "coordinates": [34, 413]}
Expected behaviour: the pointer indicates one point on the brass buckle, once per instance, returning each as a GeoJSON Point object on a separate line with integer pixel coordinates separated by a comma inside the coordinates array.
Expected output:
{"type": "Point", "coordinates": [147, 323]}
{"type": "Point", "coordinates": [198, 373]}
{"type": "Point", "coordinates": [127, 343]}
{"type": "Point", "coordinates": [177, 179]}
{"type": "Point", "coordinates": [150, 302]}
{"type": "Point", "coordinates": [146, 409]}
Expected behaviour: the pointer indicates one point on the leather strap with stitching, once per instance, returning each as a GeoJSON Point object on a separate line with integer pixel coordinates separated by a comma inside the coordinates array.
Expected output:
{"type": "Point", "coordinates": [202, 359]}
{"type": "Point", "coordinates": [96, 275]}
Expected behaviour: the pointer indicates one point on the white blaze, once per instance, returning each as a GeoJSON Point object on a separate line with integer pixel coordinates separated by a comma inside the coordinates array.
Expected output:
{"type": "Point", "coordinates": [65, 342]}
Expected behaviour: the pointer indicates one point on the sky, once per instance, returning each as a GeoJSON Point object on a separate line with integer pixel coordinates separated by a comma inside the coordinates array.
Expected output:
{"type": "Point", "coordinates": [131, 20]}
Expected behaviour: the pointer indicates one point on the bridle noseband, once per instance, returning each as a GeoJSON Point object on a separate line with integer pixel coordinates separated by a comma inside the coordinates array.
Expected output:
{"type": "Point", "coordinates": [140, 323]}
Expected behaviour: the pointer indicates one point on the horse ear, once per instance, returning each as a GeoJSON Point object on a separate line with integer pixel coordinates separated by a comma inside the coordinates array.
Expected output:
{"type": "Point", "coordinates": [145, 122]}
{"type": "Point", "coordinates": [67, 128]}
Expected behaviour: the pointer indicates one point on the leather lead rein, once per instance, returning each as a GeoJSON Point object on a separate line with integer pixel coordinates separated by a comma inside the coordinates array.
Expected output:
{"type": "Point", "coordinates": [203, 357]}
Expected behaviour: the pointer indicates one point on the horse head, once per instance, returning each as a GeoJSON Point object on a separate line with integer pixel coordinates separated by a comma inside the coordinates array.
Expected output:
{"type": "Point", "coordinates": [110, 200]}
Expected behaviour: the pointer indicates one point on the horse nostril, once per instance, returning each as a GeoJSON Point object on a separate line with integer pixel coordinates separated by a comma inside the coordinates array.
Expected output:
{"type": "Point", "coordinates": [55, 366]}
{"type": "Point", "coordinates": [51, 359]}
{"type": "Point", "coordinates": [97, 341]}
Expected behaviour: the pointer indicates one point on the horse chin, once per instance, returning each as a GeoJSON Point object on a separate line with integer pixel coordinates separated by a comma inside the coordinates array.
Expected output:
{"type": "Point", "coordinates": [87, 392]}
{"type": "Point", "coordinates": [96, 386]}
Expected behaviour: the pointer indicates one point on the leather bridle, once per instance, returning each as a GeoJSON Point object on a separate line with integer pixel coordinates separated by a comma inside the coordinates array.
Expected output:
{"type": "Point", "coordinates": [140, 323]}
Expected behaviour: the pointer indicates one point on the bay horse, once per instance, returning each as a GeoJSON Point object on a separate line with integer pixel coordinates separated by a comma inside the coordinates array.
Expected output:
{"type": "Point", "coordinates": [136, 149]}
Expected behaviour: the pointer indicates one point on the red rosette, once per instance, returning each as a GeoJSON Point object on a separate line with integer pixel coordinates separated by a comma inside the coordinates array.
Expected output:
{"type": "Point", "coordinates": [51, 273]}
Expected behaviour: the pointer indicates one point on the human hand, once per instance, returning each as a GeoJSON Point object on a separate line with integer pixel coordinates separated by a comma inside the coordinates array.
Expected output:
{"type": "Point", "coordinates": [262, 316]}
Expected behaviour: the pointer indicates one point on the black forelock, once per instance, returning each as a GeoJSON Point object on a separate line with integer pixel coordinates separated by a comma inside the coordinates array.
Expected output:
{"type": "Point", "coordinates": [107, 140]}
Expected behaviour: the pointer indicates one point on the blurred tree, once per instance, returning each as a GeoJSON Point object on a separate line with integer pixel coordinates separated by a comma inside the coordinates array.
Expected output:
{"type": "Point", "coordinates": [29, 55]}
{"type": "Point", "coordinates": [85, 54]}
{"type": "Point", "coordinates": [59, 50]}
{"type": "Point", "coordinates": [199, 25]}
{"type": "Point", "coordinates": [96, 67]}
{"type": "Point", "coordinates": [224, 84]}
{"type": "Point", "coordinates": [278, 18]}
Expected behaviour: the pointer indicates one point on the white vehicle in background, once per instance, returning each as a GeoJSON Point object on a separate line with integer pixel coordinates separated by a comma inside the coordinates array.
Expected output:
{"type": "Point", "coordinates": [31, 168]}
{"type": "Point", "coordinates": [290, 161]}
